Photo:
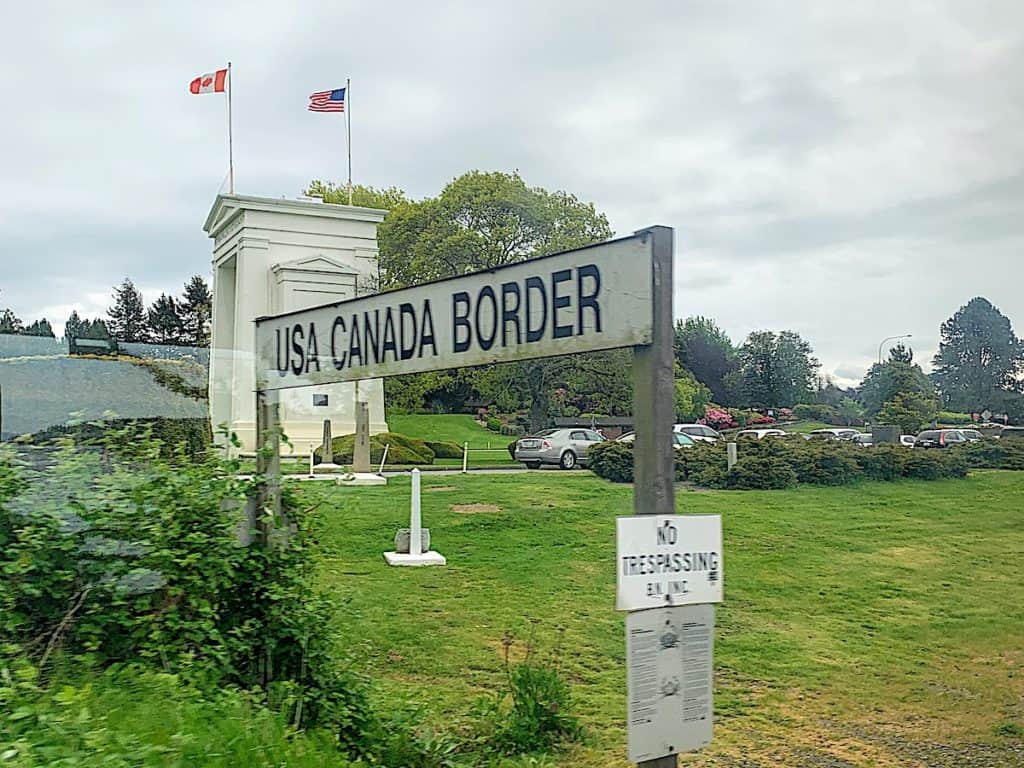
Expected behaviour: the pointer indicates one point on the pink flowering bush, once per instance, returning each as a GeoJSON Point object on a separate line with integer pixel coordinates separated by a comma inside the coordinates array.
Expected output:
{"type": "Point", "coordinates": [785, 413]}
{"type": "Point", "coordinates": [718, 418]}
{"type": "Point", "coordinates": [760, 419]}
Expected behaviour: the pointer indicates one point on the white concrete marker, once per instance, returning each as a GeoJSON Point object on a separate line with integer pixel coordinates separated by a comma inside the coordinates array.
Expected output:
{"type": "Point", "coordinates": [415, 556]}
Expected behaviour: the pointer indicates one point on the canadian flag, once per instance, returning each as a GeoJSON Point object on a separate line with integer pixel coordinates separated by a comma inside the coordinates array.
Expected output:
{"type": "Point", "coordinates": [211, 83]}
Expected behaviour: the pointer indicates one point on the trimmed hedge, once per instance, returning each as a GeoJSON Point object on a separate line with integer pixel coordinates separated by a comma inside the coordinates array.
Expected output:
{"type": "Point", "coordinates": [994, 454]}
{"type": "Point", "coordinates": [402, 449]}
{"type": "Point", "coordinates": [783, 463]}
{"type": "Point", "coordinates": [445, 449]}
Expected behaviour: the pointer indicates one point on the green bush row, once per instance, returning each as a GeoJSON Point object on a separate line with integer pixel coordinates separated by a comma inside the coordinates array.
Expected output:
{"type": "Point", "coordinates": [783, 463]}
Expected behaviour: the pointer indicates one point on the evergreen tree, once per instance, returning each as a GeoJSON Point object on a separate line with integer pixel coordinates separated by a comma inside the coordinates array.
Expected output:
{"type": "Point", "coordinates": [10, 323]}
{"type": "Point", "coordinates": [94, 329]}
{"type": "Point", "coordinates": [40, 328]}
{"type": "Point", "coordinates": [127, 318]}
{"type": "Point", "coordinates": [195, 310]}
{"type": "Point", "coordinates": [894, 377]}
{"type": "Point", "coordinates": [73, 326]}
{"type": "Point", "coordinates": [979, 358]}
{"type": "Point", "coordinates": [165, 321]}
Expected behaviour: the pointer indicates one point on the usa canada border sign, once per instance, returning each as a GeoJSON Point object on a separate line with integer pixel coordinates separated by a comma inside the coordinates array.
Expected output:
{"type": "Point", "coordinates": [605, 296]}
{"type": "Point", "coordinates": [583, 300]}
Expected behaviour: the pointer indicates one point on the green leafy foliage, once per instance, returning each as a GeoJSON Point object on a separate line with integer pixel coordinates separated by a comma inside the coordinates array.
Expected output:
{"type": "Point", "coordinates": [815, 412]}
{"type": "Point", "coordinates": [704, 349]}
{"type": "Point", "coordinates": [444, 449]}
{"type": "Point", "coordinates": [775, 463]}
{"type": "Point", "coordinates": [979, 358]}
{"type": "Point", "coordinates": [910, 411]}
{"type": "Point", "coordinates": [952, 417]}
{"type": "Point", "coordinates": [884, 382]}
{"type": "Point", "coordinates": [775, 369]}
{"type": "Point", "coordinates": [534, 713]}
{"type": "Point", "coordinates": [401, 449]}
{"type": "Point", "coordinates": [493, 424]}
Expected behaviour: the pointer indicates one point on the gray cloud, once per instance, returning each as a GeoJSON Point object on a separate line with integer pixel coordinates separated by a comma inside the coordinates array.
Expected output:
{"type": "Point", "coordinates": [845, 170]}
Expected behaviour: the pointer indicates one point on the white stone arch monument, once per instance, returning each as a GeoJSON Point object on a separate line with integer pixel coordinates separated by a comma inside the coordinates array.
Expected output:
{"type": "Point", "coordinates": [272, 256]}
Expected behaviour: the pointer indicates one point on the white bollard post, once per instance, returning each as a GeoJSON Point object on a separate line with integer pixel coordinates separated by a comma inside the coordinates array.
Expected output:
{"type": "Point", "coordinates": [383, 459]}
{"type": "Point", "coordinates": [414, 517]}
{"type": "Point", "coordinates": [730, 453]}
{"type": "Point", "coordinates": [311, 451]}
{"type": "Point", "coordinates": [465, 457]}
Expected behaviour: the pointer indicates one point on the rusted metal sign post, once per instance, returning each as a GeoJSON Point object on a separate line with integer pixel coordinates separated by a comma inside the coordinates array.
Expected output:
{"type": "Point", "coordinates": [606, 296]}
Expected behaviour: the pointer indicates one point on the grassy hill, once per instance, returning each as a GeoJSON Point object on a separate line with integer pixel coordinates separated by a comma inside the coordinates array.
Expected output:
{"type": "Point", "coordinates": [459, 428]}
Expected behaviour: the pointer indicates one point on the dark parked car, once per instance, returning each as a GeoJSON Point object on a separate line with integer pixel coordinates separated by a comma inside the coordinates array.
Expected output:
{"type": "Point", "coordinates": [939, 438]}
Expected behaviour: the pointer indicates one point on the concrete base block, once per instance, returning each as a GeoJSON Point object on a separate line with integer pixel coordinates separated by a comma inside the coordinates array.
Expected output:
{"type": "Point", "coordinates": [362, 478]}
{"type": "Point", "coordinates": [327, 467]}
{"type": "Point", "coordinates": [426, 558]}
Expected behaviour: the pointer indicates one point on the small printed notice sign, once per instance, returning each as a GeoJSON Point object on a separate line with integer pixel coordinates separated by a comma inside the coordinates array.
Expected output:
{"type": "Point", "coordinates": [669, 680]}
{"type": "Point", "coordinates": [667, 560]}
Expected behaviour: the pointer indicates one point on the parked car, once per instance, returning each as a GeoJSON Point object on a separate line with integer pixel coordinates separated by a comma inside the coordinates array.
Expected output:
{"type": "Point", "coordinates": [702, 433]}
{"type": "Point", "coordinates": [863, 439]}
{"type": "Point", "coordinates": [939, 438]}
{"type": "Point", "coordinates": [565, 447]}
{"type": "Point", "coordinates": [679, 440]}
{"type": "Point", "coordinates": [838, 433]}
{"type": "Point", "coordinates": [1012, 433]}
{"type": "Point", "coordinates": [907, 441]}
{"type": "Point", "coordinates": [758, 434]}
{"type": "Point", "coordinates": [972, 435]}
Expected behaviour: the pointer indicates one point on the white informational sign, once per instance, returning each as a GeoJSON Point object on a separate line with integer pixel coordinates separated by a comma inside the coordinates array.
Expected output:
{"type": "Point", "coordinates": [668, 560]}
{"type": "Point", "coordinates": [593, 298]}
{"type": "Point", "coordinates": [669, 655]}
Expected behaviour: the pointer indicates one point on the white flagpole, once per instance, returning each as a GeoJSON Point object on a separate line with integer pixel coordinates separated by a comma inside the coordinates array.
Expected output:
{"type": "Point", "coordinates": [231, 141]}
{"type": "Point", "coordinates": [348, 133]}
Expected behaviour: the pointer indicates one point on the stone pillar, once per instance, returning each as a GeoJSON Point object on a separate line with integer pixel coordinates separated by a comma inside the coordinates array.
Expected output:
{"type": "Point", "coordinates": [327, 452]}
{"type": "Point", "coordinates": [361, 451]}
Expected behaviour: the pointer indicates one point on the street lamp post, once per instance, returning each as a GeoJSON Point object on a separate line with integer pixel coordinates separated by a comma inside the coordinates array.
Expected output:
{"type": "Point", "coordinates": [891, 338]}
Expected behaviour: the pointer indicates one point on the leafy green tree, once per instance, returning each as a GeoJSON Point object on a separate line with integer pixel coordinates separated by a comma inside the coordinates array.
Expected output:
{"type": "Point", "coordinates": [479, 221]}
{"type": "Point", "coordinates": [775, 370]}
{"type": "Point", "coordinates": [909, 410]}
{"type": "Point", "coordinates": [705, 350]}
{"type": "Point", "coordinates": [166, 325]}
{"type": "Point", "coordinates": [691, 396]}
{"type": "Point", "coordinates": [127, 318]}
{"type": "Point", "coordinates": [10, 323]}
{"type": "Point", "coordinates": [365, 197]}
{"type": "Point", "coordinates": [893, 377]}
{"type": "Point", "coordinates": [850, 410]}
{"type": "Point", "coordinates": [39, 328]}
{"type": "Point", "coordinates": [195, 309]}
{"type": "Point", "coordinates": [483, 220]}
{"type": "Point", "coordinates": [979, 358]}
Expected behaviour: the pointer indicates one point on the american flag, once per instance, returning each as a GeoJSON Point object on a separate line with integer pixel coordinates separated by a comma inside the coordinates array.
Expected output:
{"type": "Point", "coordinates": [327, 101]}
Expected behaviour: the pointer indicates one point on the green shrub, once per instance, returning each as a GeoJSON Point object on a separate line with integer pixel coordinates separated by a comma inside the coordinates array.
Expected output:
{"type": "Point", "coordinates": [612, 461]}
{"type": "Point", "coordinates": [512, 449]}
{"type": "Point", "coordinates": [401, 450]}
{"type": "Point", "coordinates": [951, 417]}
{"type": "Point", "coordinates": [144, 565]}
{"type": "Point", "coordinates": [534, 713]}
{"type": "Point", "coordinates": [493, 424]}
{"type": "Point", "coordinates": [764, 472]}
{"type": "Point", "coordinates": [993, 454]}
{"type": "Point", "coordinates": [882, 462]}
{"type": "Point", "coordinates": [444, 449]}
{"type": "Point", "coordinates": [815, 412]}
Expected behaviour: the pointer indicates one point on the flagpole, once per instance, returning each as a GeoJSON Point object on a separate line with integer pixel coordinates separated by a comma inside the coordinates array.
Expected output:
{"type": "Point", "coordinates": [231, 141]}
{"type": "Point", "coordinates": [348, 133]}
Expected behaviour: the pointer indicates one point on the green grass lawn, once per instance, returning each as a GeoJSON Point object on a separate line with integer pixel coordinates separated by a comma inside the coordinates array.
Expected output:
{"type": "Point", "coordinates": [877, 624]}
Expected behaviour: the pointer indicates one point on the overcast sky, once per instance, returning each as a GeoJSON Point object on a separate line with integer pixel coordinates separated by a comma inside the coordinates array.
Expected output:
{"type": "Point", "coordinates": [846, 170]}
